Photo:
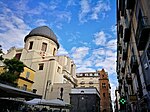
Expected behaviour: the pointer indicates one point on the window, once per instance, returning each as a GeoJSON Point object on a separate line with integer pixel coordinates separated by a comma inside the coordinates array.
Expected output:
{"type": "Point", "coordinates": [18, 55]}
{"type": "Point", "coordinates": [27, 75]}
{"type": "Point", "coordinates": [31, 45]}
{"type": "Point", "coordinates": [82, 82]}
{"type": "Point", "coordinates": [41, 66]}
{"type": "Point", "coordinates": [83, 74]}
{"type": "Point", "coordinates": [90, 82]}
{"type": "Point", "coordinates": [103, 94]}
{"type": "Point", "coordinates": [58, 69]}
{"type": "Point", "coordinates": [24, 87]}
{"type": "Point", "coordinates": [103, 85]}
{"type": "Point", "coordinates": [54, 51]}
{"type": "Point", "coordinates": [44, 46]}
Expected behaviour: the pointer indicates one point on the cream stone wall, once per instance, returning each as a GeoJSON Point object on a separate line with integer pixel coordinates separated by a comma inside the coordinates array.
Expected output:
{"type": "Point", "coordinates": [37, 45]}
{"type": "Point", "coordinates": [54, 91]}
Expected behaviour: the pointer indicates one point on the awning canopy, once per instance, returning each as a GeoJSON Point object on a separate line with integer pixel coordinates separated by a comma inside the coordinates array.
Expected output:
{"type": "Point", "coordinates": [9, 91]}
{"type": "Point", "coordinates": [57, 103]}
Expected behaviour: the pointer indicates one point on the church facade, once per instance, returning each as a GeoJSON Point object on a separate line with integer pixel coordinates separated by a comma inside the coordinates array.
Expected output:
{"type": "Point", "coordinates": [39, 54]}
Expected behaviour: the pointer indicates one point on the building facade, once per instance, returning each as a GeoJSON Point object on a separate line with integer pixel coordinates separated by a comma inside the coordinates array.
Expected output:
{"type": "Point", "coordinates": [133, 49]}
{"type": "Point", "coordinates": [88, 79]}
{"type": "Point", "coordinates": [105, 93]}
{"type": "Point", "coordinates": [39, 54]}
{"type": "Point", "coordinates": [26, 79]}
{"type": "Point", "coordinates": [100, 80]}
{"type": "Point", "coordinates": [85, 100]}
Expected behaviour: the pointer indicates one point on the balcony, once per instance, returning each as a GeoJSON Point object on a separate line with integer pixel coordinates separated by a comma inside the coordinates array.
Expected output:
{"type": "Point", "coordinates": [124, 56]}
{"type": "Point", "coordinates": [142, 32]}
{"type": "Point", "coordinates": [118, 76]}
{"type": "Point", "coordinates": [125, 88]}
{"type": "Point", "coordinates": [133, 64]}
{"type": "Point", "coordinates": [127, 33]}
{"type": "Point", "coordinates": [119, 47]}
{"type": "Point", "coordinates": [120, 81]}
{"type": "Point", "coordinates": [130, 4]}
{"type": "Point", "coordinates": [129, 79]}
{"type": "Point", "coordinates": [123, 70]}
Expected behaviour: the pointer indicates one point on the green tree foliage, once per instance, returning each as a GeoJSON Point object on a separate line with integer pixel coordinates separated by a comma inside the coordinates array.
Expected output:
{"type": "Point", "coordinates": [13, 68]}
{"type": "Point", "coordinates": [8, 77]}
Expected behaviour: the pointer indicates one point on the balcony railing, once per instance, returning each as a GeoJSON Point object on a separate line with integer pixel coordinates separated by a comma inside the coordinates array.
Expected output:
{"type": "Point", "coordinates": [142, 32]}
{"type": "Point", "coordinates": [133, 64]}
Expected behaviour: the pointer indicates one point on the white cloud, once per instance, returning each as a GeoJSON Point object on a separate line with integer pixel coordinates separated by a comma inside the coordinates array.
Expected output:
{"type": "Point", "coordinates": [112, 44]}
{"type": "Point", "coordinates": [71, 3]}
{"type": "Point", "coordinates": [13, 29]}
{"type": "Point", "coordinates": [99, 51]}
{"type": "Point", "coordinates": [94, 12]}
{"type": "Point", "coordinates": [114, 29]}
{"type": "Point", "coordinates": [100, 38]}
{"type": "Point", "coordinates": [85, 9]}
{"type": "Point", "coordinates": [41, 22]}
{"type": "Point", "coordinates": [85, 69]}
{"type": "Point", "coordinates": [62, 15]}
{"type": "Point", "coordinates": [22, 8]}
{"type": "Point", "coordinates": [62, 51]}
{"type": "Point", "coordinates": [79, 53]}
{"type": "Point", "coordinates": [101, 7]}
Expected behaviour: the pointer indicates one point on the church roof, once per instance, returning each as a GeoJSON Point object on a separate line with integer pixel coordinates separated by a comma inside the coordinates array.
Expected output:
{"type": "Point", "coordinates": [43, 31]}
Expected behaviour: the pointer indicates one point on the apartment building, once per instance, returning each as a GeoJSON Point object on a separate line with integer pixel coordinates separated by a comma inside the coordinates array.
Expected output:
{"type": "Point", "coordinates": [133, 53]}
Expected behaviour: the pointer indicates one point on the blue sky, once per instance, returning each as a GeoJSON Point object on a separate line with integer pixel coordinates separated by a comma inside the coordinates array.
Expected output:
{"type": "Point", "coordinates": [85, 29]}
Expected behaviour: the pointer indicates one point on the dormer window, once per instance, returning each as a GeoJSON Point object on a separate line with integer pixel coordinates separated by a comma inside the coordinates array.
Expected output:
{"type": "Point", "coordinates": [44, 46]}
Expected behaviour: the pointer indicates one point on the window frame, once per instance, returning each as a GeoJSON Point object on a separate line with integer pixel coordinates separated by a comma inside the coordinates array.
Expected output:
{"type": "Point", "coordinates": [44, 46]}
{"type": "Point", "coordinates": [30, 45]}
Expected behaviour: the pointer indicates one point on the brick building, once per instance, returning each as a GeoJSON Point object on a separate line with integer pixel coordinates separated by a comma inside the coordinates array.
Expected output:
{"type": "Point", "coordinates": [100, 80]}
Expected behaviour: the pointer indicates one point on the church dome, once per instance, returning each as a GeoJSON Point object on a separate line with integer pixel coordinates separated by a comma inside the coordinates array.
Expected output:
{"type": "Point", "coordinates": [45, 32]}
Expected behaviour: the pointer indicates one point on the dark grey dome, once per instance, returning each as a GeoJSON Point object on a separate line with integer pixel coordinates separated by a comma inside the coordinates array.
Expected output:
{"type": "Point", "coordinates": [45, 32]}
